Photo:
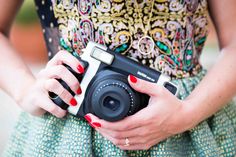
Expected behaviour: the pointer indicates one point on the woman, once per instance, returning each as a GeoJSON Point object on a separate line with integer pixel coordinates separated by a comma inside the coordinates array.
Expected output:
{"type": "Point", "coordinates": [167, 35]}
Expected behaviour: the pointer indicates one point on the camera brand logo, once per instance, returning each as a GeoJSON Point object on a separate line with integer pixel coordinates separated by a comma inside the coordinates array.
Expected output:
{"type": "Point", "coordinates": [145, 76]}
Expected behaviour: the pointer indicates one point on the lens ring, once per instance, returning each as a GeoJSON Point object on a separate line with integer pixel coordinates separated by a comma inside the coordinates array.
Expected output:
{"type": "Point", "coordinates": [120, 85]}
{"type": "Point", "coordinates": [118, 89]}
{"type": "Point", "coordinates": [110, 79]}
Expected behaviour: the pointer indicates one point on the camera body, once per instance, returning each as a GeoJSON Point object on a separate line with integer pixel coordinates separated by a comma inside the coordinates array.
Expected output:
{"type": "Point", "coordinates": [106, 91]}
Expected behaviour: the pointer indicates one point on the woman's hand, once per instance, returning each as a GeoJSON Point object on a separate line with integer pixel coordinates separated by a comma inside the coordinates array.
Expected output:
{"type": "Point", "coordinates": [164, 116]}
{"type": "Point", "coordinates": [36, 99]}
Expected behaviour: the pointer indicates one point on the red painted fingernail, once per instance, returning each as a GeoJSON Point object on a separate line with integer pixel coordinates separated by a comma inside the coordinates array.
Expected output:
{"type": "Point", "coordinates": [79, 91]}
{"type": "Point", "coordinates": [133, 79]}
{"type": "Point", "coordinates": [96, 124]}
{"type": "Point", "coordinates": [88, 118]}
{"type": "Point", "coordinates": [80, 69]}
{"type": "Point", "coordinates": [92, 125]}
{"type": "Point", "coordinates": [73, 102]}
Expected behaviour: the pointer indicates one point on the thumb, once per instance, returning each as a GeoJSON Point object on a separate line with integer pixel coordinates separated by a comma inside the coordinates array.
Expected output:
{"type": "Point", "coordinates": [143, 86]}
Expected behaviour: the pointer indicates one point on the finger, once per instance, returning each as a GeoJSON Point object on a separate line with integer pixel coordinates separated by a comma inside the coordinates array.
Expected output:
{"type": "Point", "coordinates": [140, 132]}
{"type": "Point", "coordinates": [143, 86]}
{"type": "Point", "coordinates": [61, 72]}
{"type": "Point", "coordinates": [146, 146]}
{"type": "Point", "coordinates": [132, 140]}
{"type": "Point", "coordinates": [130, 122]}
{"type": "Point", "coordinates": [141, 146]}
{"type": "Point", "coordinates": [68, 59]}
{"type": "Point", "coordinates": [54, 86]}
{"type": "Point", "coordinates": [49, 106]}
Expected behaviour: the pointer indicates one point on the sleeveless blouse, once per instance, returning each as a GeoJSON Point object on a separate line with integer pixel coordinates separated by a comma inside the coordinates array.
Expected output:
{"type": "Point", "coordinates": [176, 30]}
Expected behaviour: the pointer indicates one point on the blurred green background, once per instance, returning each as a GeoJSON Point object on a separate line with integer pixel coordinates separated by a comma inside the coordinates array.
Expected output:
{"type": "Point", "coordinates": [27, 38]}
{"type": "Point", "coordinates": [27, 14]}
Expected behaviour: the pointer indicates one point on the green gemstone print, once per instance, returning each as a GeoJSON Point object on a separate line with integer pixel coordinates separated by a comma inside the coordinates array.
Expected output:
{"type": "Point", "coordinates": [100, 33]}
{"type": "Point", "coordinates": [65, 46]}
{"type": "Point", "coordinates": [201, 41]}
{"type": "Point", "coordinates": [122, 48]}
{"type": "Point", "coordinates": [163, 47]}
{"type": "Point", "coordinates": [75, 54]}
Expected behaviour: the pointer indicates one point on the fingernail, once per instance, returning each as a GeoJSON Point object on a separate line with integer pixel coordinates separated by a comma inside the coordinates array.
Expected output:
{"type": "Point", "coordinates": [79, 91]}
{"type": "Point", "coordinates": [88, 118]}
{"type": "Point", "coordinates": [80, 69]}
{"type": "Point", "coordinates": [96, 124]}
{"type": "Point", "coordinates": [133, 79]}
{"type": "Point", "coordinates": [92, 125]}
{"type": "Point", "coordinates": [73, 102]}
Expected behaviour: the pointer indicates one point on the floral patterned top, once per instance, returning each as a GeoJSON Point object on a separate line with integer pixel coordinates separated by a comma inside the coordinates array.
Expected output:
{"type": "Point", "coordinates": [176, 30]}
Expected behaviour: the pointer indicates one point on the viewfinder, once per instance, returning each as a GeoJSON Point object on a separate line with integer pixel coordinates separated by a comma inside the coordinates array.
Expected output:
{"type": "Point", "coordinates": [102, 55]}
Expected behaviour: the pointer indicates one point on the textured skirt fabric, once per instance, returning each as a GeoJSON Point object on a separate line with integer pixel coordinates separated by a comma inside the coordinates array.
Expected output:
{"type": "Point", "coordinates": [50, 136]}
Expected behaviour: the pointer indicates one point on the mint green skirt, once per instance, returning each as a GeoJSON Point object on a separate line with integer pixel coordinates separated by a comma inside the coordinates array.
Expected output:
{"type": "Point", "coordinates": [52, 137]}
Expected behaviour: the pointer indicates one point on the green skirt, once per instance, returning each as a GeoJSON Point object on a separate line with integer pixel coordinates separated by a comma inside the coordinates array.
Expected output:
{"type": "Point", "coordinates": [53, 137]}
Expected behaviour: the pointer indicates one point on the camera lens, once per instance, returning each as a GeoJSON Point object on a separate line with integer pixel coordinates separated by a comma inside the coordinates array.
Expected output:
{"type": "Point", "coordinates": [112, 98]}
{"type": "Point", "coordinates": [111, 103]}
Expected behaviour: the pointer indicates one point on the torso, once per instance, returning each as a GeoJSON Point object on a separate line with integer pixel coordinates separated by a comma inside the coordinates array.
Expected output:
{"type": "Point", "coordinates": [175, 29]}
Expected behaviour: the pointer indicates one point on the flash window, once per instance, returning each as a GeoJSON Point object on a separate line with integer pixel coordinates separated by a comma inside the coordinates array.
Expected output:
{"type": "Point", "coordinates": [102, 55]}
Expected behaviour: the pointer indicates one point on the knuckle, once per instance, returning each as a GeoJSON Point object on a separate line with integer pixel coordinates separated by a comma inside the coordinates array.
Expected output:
{"type": "Point", "coordinates": [144, 132]}
{"type": "Point", "coordinates": [125, 126]}
{"type": "Point", "coordinates": [65, 95]}
{"type": "Point", "coordinates": [61, 69]}
{"type": "Point", "coordinates": [58, 57]}
{"type": "Point", "coordinates": [60, 53]}
{"type": "Point", "coordinates": [116, 135]}
{"type": "Point", "coordinates": [49, 63]}
{"type": "Point", "coordinates": [51, 84]}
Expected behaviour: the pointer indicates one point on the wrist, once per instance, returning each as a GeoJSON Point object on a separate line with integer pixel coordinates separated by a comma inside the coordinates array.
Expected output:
{"type": "Point", "coordinates": [23, 85]}
{"type": "Point", "coordinates": [192, 116]}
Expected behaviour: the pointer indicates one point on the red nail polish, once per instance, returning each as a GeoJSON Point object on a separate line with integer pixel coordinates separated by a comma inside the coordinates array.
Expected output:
{"type": "Point", "coordinates": [88, 118]}
{"type": "Point", "coordinates": [133, 79]}
{"type": "Point", "coordinates": [96, 124]}
{"type": "Point", "coordinates": [92, 125]}
{"type": "Point", "coordinates": [79, 91]}
{"type": "Point", "coordinates": [80, 69]}
{"type": "Point", "coordinates": [73, 102]}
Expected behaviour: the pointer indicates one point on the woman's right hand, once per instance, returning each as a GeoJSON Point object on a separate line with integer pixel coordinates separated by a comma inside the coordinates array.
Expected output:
{"type": "Point", "coordinates": [36, 99]}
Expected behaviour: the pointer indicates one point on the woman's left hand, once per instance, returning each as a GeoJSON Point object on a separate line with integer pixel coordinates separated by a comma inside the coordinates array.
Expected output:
{"type": "Point", "coordinates": [164, 116]}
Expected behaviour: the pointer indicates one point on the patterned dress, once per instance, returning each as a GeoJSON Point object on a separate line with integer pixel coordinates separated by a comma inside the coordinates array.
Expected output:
{"type": "Point", "coordinates": [176, 31]}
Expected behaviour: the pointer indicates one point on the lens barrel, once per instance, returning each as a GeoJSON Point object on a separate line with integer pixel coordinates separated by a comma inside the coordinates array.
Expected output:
{"type": "Point", "coordinates": [111, 98]}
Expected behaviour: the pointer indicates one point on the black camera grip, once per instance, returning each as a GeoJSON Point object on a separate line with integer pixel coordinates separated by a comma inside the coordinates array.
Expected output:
{"type": "Point", "coordinates": [55, 98]}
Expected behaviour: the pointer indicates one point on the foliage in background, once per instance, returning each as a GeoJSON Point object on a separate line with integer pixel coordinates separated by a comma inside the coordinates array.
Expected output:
{"type": "Point", "coordinates": [27, 14]}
